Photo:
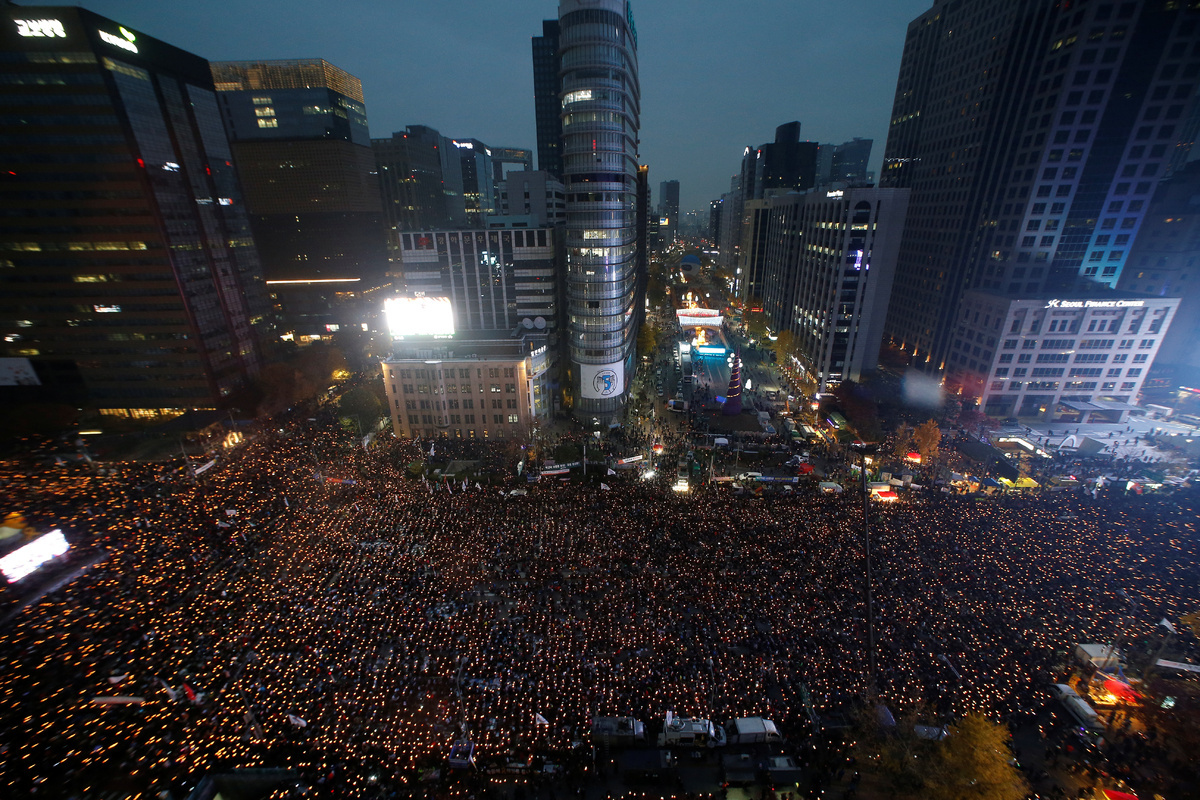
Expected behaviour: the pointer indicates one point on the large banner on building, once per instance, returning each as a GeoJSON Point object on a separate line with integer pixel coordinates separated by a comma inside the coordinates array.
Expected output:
{"type": "Point", "coordinates": [598, 381]}
{"type": "Point", "coordinates": [699, 317]}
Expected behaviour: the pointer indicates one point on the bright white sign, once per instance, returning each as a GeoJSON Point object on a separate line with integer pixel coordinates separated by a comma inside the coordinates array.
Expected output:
{"type": "Point", "coordinates": [40, 27]}
{"type": "Point", "coordinates": [419, 316]}
{"type": "Point", "coordinates": [598, 381]}
{"type": "Point", "coordinates": [116, 41]}
{"type": "Point", "coordinates": [1094, 303]}
{"type": "Point", "coordinates": [699, 317]}
{"type": "Point", "coordinates": [24, 560]}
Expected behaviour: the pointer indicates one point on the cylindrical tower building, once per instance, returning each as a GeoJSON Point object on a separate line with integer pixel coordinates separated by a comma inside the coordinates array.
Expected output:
{"type": "Point", "coordinates": [600, 111]}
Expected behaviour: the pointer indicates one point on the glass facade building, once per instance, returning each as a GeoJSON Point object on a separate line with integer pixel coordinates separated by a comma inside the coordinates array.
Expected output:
{"type": "Point", "coordinates": [546, 103]}
{"type": "Point", "coordinates": [1033, 134]}
{"type": "Point", "coordinates": [303, 153]}
{"type": "Point", "coordinates": [600, 98]}
{"type": "Point", "coordinates": [128, 275]}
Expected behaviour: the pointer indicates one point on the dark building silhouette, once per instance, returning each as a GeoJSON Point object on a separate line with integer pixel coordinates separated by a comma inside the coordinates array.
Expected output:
{"type": "Point", "coordinates": [478, 189]}
{"type": "Point", "coordinates": [130, 278]}
{"type": "Point", "coordinates": [1033, 134]}
{"type": "Point", "coordinates": [420, 178]}
{"type": "Point", "coordinates": [547, 103]}
{"type": "Point", "coordinates": [668, 209]}
{"type": "Point", "coordinates": [510, 159]}
{"type": "Point", "coordinates": [298, 128]}
{"type": "Point", "coordinates": [714, 220]}
{"type": "Point", "coordinates": [1165, 262]}
{"type": "Point", "coordinates": [300, 143]}
{"type": "Point", "coordinates": [786, 164]}
{"type": "Point", "coordinates": [849, 161]}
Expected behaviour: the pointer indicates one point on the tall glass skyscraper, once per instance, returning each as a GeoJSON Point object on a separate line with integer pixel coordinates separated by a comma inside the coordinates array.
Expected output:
{"type": "Point", "coordinates": [128, 275]}
{"type": "Point", "coordinates": [1032, 134]}
{"type": "Point", "coordinates": [600, 118]}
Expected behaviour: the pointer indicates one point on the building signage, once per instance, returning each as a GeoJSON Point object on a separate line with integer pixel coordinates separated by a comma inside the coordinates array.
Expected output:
{"type": "Point", "coordinates": [124, 41]}
{"type": "Point", "coordinates": [835, 193]}
{"type": "Point", "coordinates": [598, 381]}
{"type": "Point", "coordinates": [40, 28]}
{"type": "Point", "coordinates": [1095, 303]}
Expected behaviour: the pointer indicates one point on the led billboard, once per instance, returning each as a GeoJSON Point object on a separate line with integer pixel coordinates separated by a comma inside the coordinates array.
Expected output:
{"type": "Point", "coordinates": [26, 559]}
{"type": "Point", "coordinates": [419, 316]}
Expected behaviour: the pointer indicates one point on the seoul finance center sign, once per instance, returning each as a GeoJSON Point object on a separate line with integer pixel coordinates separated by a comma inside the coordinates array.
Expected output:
{"type": "Point", "coordinates": [1095, 303]}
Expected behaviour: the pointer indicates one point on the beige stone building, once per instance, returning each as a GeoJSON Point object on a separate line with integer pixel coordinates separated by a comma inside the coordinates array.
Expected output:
{"type": "Point", "coordinates": [485, 387]}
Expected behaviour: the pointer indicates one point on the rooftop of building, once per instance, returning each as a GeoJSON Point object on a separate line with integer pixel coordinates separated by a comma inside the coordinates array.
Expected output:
{"type": "Point", "coordinates": [467, 346]}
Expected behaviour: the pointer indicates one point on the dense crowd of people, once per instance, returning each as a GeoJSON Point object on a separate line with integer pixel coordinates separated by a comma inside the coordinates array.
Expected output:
{"type": "Point", "coordinates": [311, 604]}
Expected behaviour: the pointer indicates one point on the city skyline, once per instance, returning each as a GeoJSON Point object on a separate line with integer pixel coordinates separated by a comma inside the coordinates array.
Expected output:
{"type": "Point", "coordinates": [704, 98]}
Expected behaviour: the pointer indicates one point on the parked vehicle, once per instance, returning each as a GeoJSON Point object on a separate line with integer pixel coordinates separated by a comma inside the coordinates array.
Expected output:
{"type": "Point", "coordinates": [690, 732]}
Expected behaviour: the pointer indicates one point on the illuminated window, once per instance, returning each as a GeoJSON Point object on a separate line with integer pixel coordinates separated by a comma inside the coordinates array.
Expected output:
{"type": "Point", "coordinates": [575, 97]}
{"type": "Point", "coordinates": [267, 111]}
{"type": "Point", "coordinates": [268, 123]}
{"type": "Point", "coordinates": [262, 101]}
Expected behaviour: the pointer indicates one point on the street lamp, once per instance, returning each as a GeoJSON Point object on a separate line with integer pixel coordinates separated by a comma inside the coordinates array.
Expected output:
{"type": "Point", "coordinates": [863, 450]}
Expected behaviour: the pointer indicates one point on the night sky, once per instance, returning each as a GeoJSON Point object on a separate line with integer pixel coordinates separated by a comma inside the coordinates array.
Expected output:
{"type": "Point", "coordinates": [716, 75]}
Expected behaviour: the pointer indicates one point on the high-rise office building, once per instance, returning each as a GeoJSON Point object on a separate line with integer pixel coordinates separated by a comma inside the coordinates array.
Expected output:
{"type": "Point", "coordinates": [420, 178]}
{"type": "Point", "coordinates": [749, 273]}
{"type": "Point", "coordinates": [510, 159]}
{"type": "Point", "coordinates": [478, 187]}
{"type": "Point", "coordinates": [731, 223]}
{"type": "Point", "coordinates": [827, 274]}
{"type": "Point", "coordinates": [668, 210]}
{"type": "Point", "coordinates": [535, 194]}
{"type": "Point", "coordinates": [824, 163]}
{"type": "Point", "coordinates": [495, 279]}
{"type": "Point", "coordinates": [642, 227]}
{"type": "Point", "coordinates": [300, 143]}
{"type": "Point", "coordinates": [129, 277]}
{"type": "Point", "coordinates": [714, 220]}
{"type": "Point", "coordinates": [1032, 134]}
{"type": "Point", "coordinates": [1061, 358]}
{"type": "Point", "coordinates": [601, 101]}
{"type": "Point", "coordinates": [547, 102]}
{"type": "Point", "coordinates": [298, 129]}
{"type": "Point", "coordinates": [786, 164]}
{"type": "Point", "coordinates": [1165, 262]}
{"type": "Point", "coordinates": [849, 161]}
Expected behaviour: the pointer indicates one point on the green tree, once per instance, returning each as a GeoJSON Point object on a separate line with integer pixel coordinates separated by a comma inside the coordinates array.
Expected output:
{"type": "Point", "coordinates": [656, 291]}
{"type": "Point", "coordinates": [860, 410]}
{"type": "Point", "coordinates": [646, 339]}
{"type": "Point", "coordinates": [927, 437]}
{"type": "Point", "coordinates": [902, 440]}
{"type": "Point", "coordinates": [971, 763]}
{"type": "Point", "coordinates": [361, 404]}
{"type": "Point", "coordinates": [784, 346]}
{"type": "Point", "coordinates": [974, 762]}
{"type": "Point", "coordinates": [321, 365]}
{"type": "Point", "coordinates": [282, 387]}
{"type": "Point", "coordinates": [755, 321]}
